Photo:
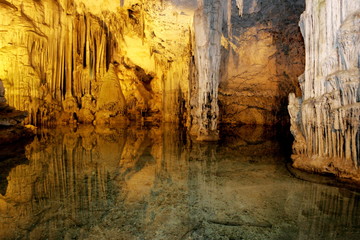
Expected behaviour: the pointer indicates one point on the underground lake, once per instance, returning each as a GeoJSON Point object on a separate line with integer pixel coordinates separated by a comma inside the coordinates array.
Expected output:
{"type": "Point", "coordinates": [156, 183]}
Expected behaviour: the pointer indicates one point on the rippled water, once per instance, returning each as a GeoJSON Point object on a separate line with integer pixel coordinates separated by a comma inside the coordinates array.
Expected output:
{"type": "Point", "coordinates": [157, 184]}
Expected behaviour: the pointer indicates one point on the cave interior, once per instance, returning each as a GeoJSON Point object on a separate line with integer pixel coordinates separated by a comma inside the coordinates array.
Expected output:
{"type": "Point", "coordinates": [142, 105]}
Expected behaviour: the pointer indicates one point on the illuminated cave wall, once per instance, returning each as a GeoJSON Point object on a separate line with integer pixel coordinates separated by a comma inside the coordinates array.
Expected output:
{"type": "Point", "coordinates": [247, 56]}
{"type": "Point", "coordinates": [95, 61]}
{"type": "Point", "coordinates": [193, 62]}
{"type": "Point", "coordinates": [262, 57]}
{"type": "Point", "coordinates": [326, 119]}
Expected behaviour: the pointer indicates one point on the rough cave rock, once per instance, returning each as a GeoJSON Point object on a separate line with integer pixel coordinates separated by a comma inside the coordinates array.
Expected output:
{"type": "Point", "coordinates": [198, 63]}
{"type": "Point", "coordinates": [326, 119]}
{"type": "Point", "coordinates": [11, 128]}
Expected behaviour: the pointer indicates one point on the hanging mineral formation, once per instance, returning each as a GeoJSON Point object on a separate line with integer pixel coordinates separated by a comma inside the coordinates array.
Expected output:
{"type": "Point", "coordinates": [55, 55]}
{"type": "Point", "coordinates": [240, 5]}
{"type": "Point", "coordinates": [326, 120]}
{"type": "Point", "coordinates": [209, 19]}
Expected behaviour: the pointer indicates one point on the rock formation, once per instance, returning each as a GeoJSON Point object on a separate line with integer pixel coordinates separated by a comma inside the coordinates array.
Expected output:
{"type": "Point", "coordinates": [56, 55]}
{"type": "Point", "coordinates": [208, 22]}
{"type": "Point", "coordinates": [261, 55]}
{"type": "Point", "coordinates": [189, 62]}
{"type": "Point", "coordinates": [326, 119]}
{"type": "Point", "coordinates": [261, 59]}
{"type": "Point", "coordinates": [11, 129]}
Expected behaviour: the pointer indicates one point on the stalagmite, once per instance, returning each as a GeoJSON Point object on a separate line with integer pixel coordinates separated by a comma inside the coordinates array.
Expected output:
{"type": "Point", "coordinates": [326, 124]}
{"type": "Point", "coordinates": [111, 100]}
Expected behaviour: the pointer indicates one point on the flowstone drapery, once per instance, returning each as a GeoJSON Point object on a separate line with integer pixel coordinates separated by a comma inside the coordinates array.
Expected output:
{"type": "Point", "coordinates": [326, 120]}
{"type": "Point", "coordinates": [189, 62]}
{"type": "Point", "coordinates": [55, 57]}
{"type": "Point", "coordinates": [208, 22]}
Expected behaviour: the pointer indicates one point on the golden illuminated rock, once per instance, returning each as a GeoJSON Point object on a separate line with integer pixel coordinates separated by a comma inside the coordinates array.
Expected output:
{"type": "Point", "coordinates": [172, 58]}
{"type": "Point", "coordinates": [11, 128]}
{"type": "Point", "coordinates": [262, 58]}
{"type": "Point", "coordinates": [2, 95]}
{"type": "Point", "coordinates": [59, 52]}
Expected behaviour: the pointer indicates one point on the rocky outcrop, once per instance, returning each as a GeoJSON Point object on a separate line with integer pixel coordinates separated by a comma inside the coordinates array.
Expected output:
{"type": "Point", "coordinates": [11, 129]}
{"type": "Point", "coordinates": [326, 120]}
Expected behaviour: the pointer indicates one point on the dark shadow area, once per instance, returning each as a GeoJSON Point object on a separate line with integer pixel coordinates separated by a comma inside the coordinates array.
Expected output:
{"type": "Point", "coordinates": [11, 155]}
{"type": "Point", "coordinates": [273, 140]}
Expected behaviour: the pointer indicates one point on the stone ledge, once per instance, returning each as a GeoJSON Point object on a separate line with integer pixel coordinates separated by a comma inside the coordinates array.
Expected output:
{"type": "Point", "coordinates": [342, 170]}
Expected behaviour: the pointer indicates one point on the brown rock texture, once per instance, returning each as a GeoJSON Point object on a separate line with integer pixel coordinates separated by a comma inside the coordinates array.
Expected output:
{"type": "Point", "coordinates": [261, 59]}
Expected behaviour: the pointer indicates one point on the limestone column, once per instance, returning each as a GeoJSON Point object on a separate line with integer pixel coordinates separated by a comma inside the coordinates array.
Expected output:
{"type": "Point", "coordinates": [208, 21]}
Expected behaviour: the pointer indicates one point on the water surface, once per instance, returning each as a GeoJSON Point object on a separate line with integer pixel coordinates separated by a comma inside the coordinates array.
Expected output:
{"type": "Point", "coordinates": [155, 183]}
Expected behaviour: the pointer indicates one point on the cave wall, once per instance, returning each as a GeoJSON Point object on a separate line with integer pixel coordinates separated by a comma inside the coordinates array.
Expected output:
{"type": "Point", "coordinates": [261, 59]}
{"type": "Point", "coordinates": [11, 127]}
{"type": "Point", "coordinates": [199, 63]}
{"type": "Point", "coordinates": [248, 55]}
{"type": "Point", "coordinates": [326, 119]}
{"type": "Point", "coordinates": [95, 61]}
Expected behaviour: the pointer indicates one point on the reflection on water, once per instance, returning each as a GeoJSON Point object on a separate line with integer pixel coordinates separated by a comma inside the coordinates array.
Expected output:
{"type": "Point", "coordinates": [157, 184]}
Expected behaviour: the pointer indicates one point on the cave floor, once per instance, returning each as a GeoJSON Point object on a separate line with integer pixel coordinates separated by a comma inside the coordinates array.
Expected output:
{"type": "Point", "coordinates": [155, 183]}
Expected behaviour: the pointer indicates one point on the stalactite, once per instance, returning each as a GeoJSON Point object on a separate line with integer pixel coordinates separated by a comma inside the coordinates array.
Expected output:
{"type": "Point", "coordinates": [228, 20]}
{"type": "Point", "coordinates": [65, 58]}
{"type": "Point", "coordinates": [329, 116]}
{"type": "Point", "coordinates": [61, 51]}
{"type": "Point", "coordinates": [208, 22]}
{"type": "Point", "coordinates": [240, 5]}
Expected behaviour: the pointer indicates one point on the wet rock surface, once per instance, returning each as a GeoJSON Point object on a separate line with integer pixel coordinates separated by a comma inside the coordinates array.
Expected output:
{"type": "Point", "coordinates": [155, 183]}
